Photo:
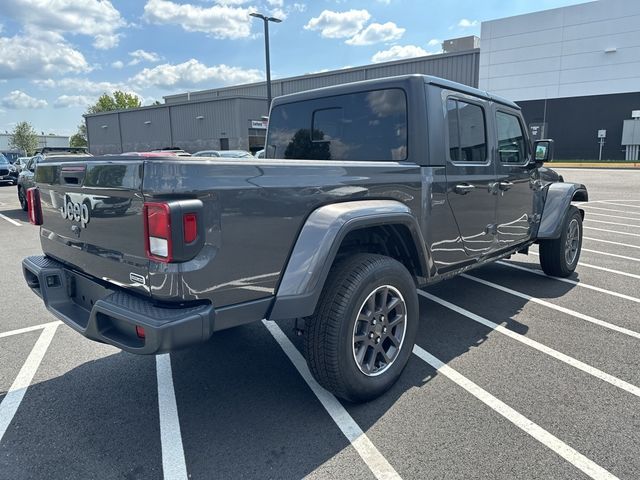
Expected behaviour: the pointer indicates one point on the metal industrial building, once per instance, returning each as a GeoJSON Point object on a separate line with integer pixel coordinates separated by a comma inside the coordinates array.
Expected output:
{"type": "Point", "coordinates": [575, 71]}
{"type": "Point", "coordinates": [231, 117]}
{"type": "Point", "coordinates": [43, 141]}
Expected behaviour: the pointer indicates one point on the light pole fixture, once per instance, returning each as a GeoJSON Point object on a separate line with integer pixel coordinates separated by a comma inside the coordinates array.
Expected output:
{"type": "Point", "coordinates": [266, 21]}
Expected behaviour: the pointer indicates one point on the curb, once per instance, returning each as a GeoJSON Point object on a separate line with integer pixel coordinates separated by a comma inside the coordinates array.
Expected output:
{"type": "Point", "coordinates": [613, 165]}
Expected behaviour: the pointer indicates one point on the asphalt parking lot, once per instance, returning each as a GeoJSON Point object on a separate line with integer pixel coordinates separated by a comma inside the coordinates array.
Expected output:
{"type": "Point", "coordinates": [515, 375]}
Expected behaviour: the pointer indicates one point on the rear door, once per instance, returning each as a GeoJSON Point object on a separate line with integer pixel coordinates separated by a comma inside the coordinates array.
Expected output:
{"type": "Point", "coordinates": [92, 218]}
{"type": "Point", "coordinates": [516, 180]}
{"type": "Point", "coordinates": [471, 174]}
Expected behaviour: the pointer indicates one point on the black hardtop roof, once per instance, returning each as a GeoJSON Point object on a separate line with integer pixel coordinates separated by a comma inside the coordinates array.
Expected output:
{"type": "Point", "coordinates": [388, 82]}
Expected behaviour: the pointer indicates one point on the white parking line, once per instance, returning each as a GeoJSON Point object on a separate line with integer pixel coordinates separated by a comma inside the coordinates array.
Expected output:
{"type": "Point", "coordinates": [610, 242]}
{"type": "Point", "coordinates": [10, 333]}
{"type": "Point", "coordinates": [550, 441]}
{"type": "Point", "coordinates": [621, 204]}
{"type": "Point", "coordinates": [633, 259]}
{"type": "Point", "coordinates": [613, 231]}
{"type": "Point", "coordinates": [611, 223]}
{"type": "Point", "coordinates": [173, 463]}
{"type": "Point", "coordinates": [10, 220]}
{"type": "Point", "coordinates": [608, 209]}
{"type": "Point", "coordinates": [365, 448]}
{"type": "Point", "coordinates": [613, 216]}
{"type": "Point", "coordinates": [595, 267]}
{"type": "Point", "coordinates": [627, 387]}
{"type": "Point", "coordinates": [544, 303]}
{"type": "Point", "coordinates": [14, 396]}
{"type": "Point", "coordinates": [580, 283]}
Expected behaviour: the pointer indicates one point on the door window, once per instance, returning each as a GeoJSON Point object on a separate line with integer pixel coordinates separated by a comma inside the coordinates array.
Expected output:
{"type": "Point", "coordinates": [512, 143]}
{"type": "Point", "coordinates": [467, 133]}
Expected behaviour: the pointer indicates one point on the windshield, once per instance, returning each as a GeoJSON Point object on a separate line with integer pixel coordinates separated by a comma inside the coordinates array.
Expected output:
{"type": "Point", "coordinates": [3, 159]}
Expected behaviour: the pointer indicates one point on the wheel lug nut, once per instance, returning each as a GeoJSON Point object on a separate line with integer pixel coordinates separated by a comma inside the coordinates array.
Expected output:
{"type": "Point", "coordinates": [377, 340]}
{"type": "Point", "coordinates": [384, 329]}
{"type": "Point", "coordinates": [373, 322]}
{"type": "Point", "coordinates": [371, 335]}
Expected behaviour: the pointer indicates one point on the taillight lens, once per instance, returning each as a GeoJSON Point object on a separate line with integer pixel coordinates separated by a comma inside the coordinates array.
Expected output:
{"type": "Point", "coordinates": [190, 227]}
{"type": "Point", "coordinates": [34, 206]}
{"type": "Point", "coordinates": [157, 222]}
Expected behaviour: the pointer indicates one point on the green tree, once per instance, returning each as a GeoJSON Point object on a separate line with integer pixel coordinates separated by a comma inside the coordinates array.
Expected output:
{"type": "Point", "coordinates": [24, 138]}
{"type": "Point", "coordinates": [79, 139]}
{"type": "Point", "coordinates": [118, 101]}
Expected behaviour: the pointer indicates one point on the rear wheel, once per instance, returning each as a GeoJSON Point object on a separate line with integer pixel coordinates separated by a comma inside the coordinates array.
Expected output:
{"type": "Point", "coordinates": [362, 334]}
{"type": "Point", "coordinates": [22, 197]}
{"type": "Point", "coordinates": [559, 257]}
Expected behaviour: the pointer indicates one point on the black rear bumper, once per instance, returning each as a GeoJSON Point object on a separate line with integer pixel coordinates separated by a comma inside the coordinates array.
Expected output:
{"type": "Point", "coordinates": [111, 316]}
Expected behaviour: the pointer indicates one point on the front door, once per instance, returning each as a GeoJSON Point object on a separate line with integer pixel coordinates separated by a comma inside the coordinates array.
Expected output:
{"type": "Point", "coordinates": [516, 180]}
{"type": "Point", "coordinates": [471, 175]}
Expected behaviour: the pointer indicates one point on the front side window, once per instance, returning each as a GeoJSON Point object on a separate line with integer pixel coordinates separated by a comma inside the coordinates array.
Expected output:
{"type": "Point", "coordinates": [512, 144]}
{"type": "Point", "coordinates": [467, 134]}
{"type": "Point", "coordinates": [367, 126]}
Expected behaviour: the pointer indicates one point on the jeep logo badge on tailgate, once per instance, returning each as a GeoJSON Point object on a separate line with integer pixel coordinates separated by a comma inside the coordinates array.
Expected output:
{"type": "Point", "coordinates": [75, 212]}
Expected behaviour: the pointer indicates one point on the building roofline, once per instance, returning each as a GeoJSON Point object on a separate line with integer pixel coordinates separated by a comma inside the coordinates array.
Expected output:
{"type": "Point", "coordinates": [323, 74]}
{"type": "Point", "coordinates": [175, 104]}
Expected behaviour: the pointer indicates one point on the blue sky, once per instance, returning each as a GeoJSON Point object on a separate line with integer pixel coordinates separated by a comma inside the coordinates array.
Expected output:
{"type": "Point", "coordinates": [54, 61]}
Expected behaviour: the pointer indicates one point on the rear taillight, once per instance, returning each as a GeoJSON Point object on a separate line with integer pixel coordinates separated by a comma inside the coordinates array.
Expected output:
{"type": "Point", "coordinates": [157, 223]}
{"type": "Point", "coordinates": [34, 206]}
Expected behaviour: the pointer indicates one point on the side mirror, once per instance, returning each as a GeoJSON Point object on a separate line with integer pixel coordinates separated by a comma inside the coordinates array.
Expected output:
{"type": "Point", "coordinates": [543, 151]}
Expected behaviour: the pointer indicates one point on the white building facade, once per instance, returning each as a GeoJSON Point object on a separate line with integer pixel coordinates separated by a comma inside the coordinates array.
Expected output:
{"type": "Point", "coordinates": [574, 70]}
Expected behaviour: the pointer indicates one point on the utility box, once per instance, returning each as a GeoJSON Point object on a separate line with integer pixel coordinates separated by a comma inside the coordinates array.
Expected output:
{"type": "Point", "coordinates": [462, 44]}
{"type": "Point", "coordinates": [631, 139]}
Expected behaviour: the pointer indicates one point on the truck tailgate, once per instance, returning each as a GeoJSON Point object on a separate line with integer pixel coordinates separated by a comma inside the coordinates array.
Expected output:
{"type": "Point", "coordinates": [92, 218]}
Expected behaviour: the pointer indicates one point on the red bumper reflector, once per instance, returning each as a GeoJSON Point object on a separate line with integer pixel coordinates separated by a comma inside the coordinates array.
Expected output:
{"type": "Point", "coordinates": [190, 224]}
{"type": "Point", "coordinates": [139, 331]}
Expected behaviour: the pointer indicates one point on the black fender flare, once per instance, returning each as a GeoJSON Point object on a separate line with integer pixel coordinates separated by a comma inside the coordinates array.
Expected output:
{"type": "Point", "coordinates": [556, 205]}
{"type": "Point", "coordinates": [318, 243]}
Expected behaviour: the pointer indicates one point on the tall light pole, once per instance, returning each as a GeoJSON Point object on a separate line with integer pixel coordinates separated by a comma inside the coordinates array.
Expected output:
{"type": "Point", "coordinates": [266, 21]}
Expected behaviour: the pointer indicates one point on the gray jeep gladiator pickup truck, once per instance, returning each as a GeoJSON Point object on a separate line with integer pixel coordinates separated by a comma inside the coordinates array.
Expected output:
{"type": "Point", "coordinates": [367, 191]}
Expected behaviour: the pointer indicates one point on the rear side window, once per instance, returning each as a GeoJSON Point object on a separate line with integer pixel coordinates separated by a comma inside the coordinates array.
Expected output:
{"type": "Point", "coordinates": [368, 126]}
{"type": "Point", "coordinates": [467, 133]}
{"type": "Point", "coordinates": [512, 144]}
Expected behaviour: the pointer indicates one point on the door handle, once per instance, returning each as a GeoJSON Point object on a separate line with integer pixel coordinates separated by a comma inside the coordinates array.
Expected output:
{"type": "Point", "coordinates": [504, 186]}
{"type": "Point", "coordinates": [463, 188]}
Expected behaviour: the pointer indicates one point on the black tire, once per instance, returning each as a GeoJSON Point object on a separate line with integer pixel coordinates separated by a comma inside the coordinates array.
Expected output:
{"type": "Point", "coordinates": [554, 257]}
{"type": "Point", "coordinates": [22, 197]}
{"type": "Point", "coordinates": [330, 344]}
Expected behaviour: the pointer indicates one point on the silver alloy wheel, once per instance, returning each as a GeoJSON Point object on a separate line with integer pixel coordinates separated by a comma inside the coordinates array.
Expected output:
{"type": "Point", "coordinates": [379, 330]}
{"type": "Point", "coordinates": [573, 242]}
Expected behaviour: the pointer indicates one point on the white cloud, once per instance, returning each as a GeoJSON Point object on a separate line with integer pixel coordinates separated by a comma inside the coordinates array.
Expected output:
{"type": "Point", "coordinates": [117, 64]}
{"type": "Point", "coordinates": [78, 85]}
{"type": "Point", "coordinates": [18, 100]}
{"type": "Point", "coordinates": [399, 52]}
{"type": "Point", "coordinates": [219, 21]}
{"type": "Point", "coordinates": [377, 33]}
{"type": "Point", "coordinates": [466, 23]}
{"type": "Point", "coordinates": [143, 56]}
{"type": "Point", "coordinates": [434, 42]}
{"type": "Point", "coordinates": [193, 73]}
{"type": "Point", "coordinates": [339, 24]}
{"type": "Point", "coordinates": [96, 18]}
{"type": "Point", "coordinates": [66, 101]}
{"type": "Point", "coordinates": [299, 7]}
{"type": "Point", "coordinates": [38, 54]}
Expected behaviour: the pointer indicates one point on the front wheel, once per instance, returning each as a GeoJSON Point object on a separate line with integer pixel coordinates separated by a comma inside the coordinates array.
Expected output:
{"type": "Point", "coordinates": [559, 257]}
{"type": "Point", "coordinates": [363, 331]}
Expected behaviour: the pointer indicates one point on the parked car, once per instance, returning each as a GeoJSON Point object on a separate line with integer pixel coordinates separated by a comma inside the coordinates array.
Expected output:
{"type": "Point", "coordinates": [178, 152]}
{"type": "Point", "coordinates": [223, 154]}
{"type": "Point", "coordinates": [8, 172]}
{"type": "Point", "coordinates": [21, 163]}
{"type": "Point", "coordinates": [25, 179]}
{"type": "Point", "coordinates": [368, 191]}
{"type": "Point", "coordinates": [260, 153]}
{"type": "Point", "coordinates": [11, 156]}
